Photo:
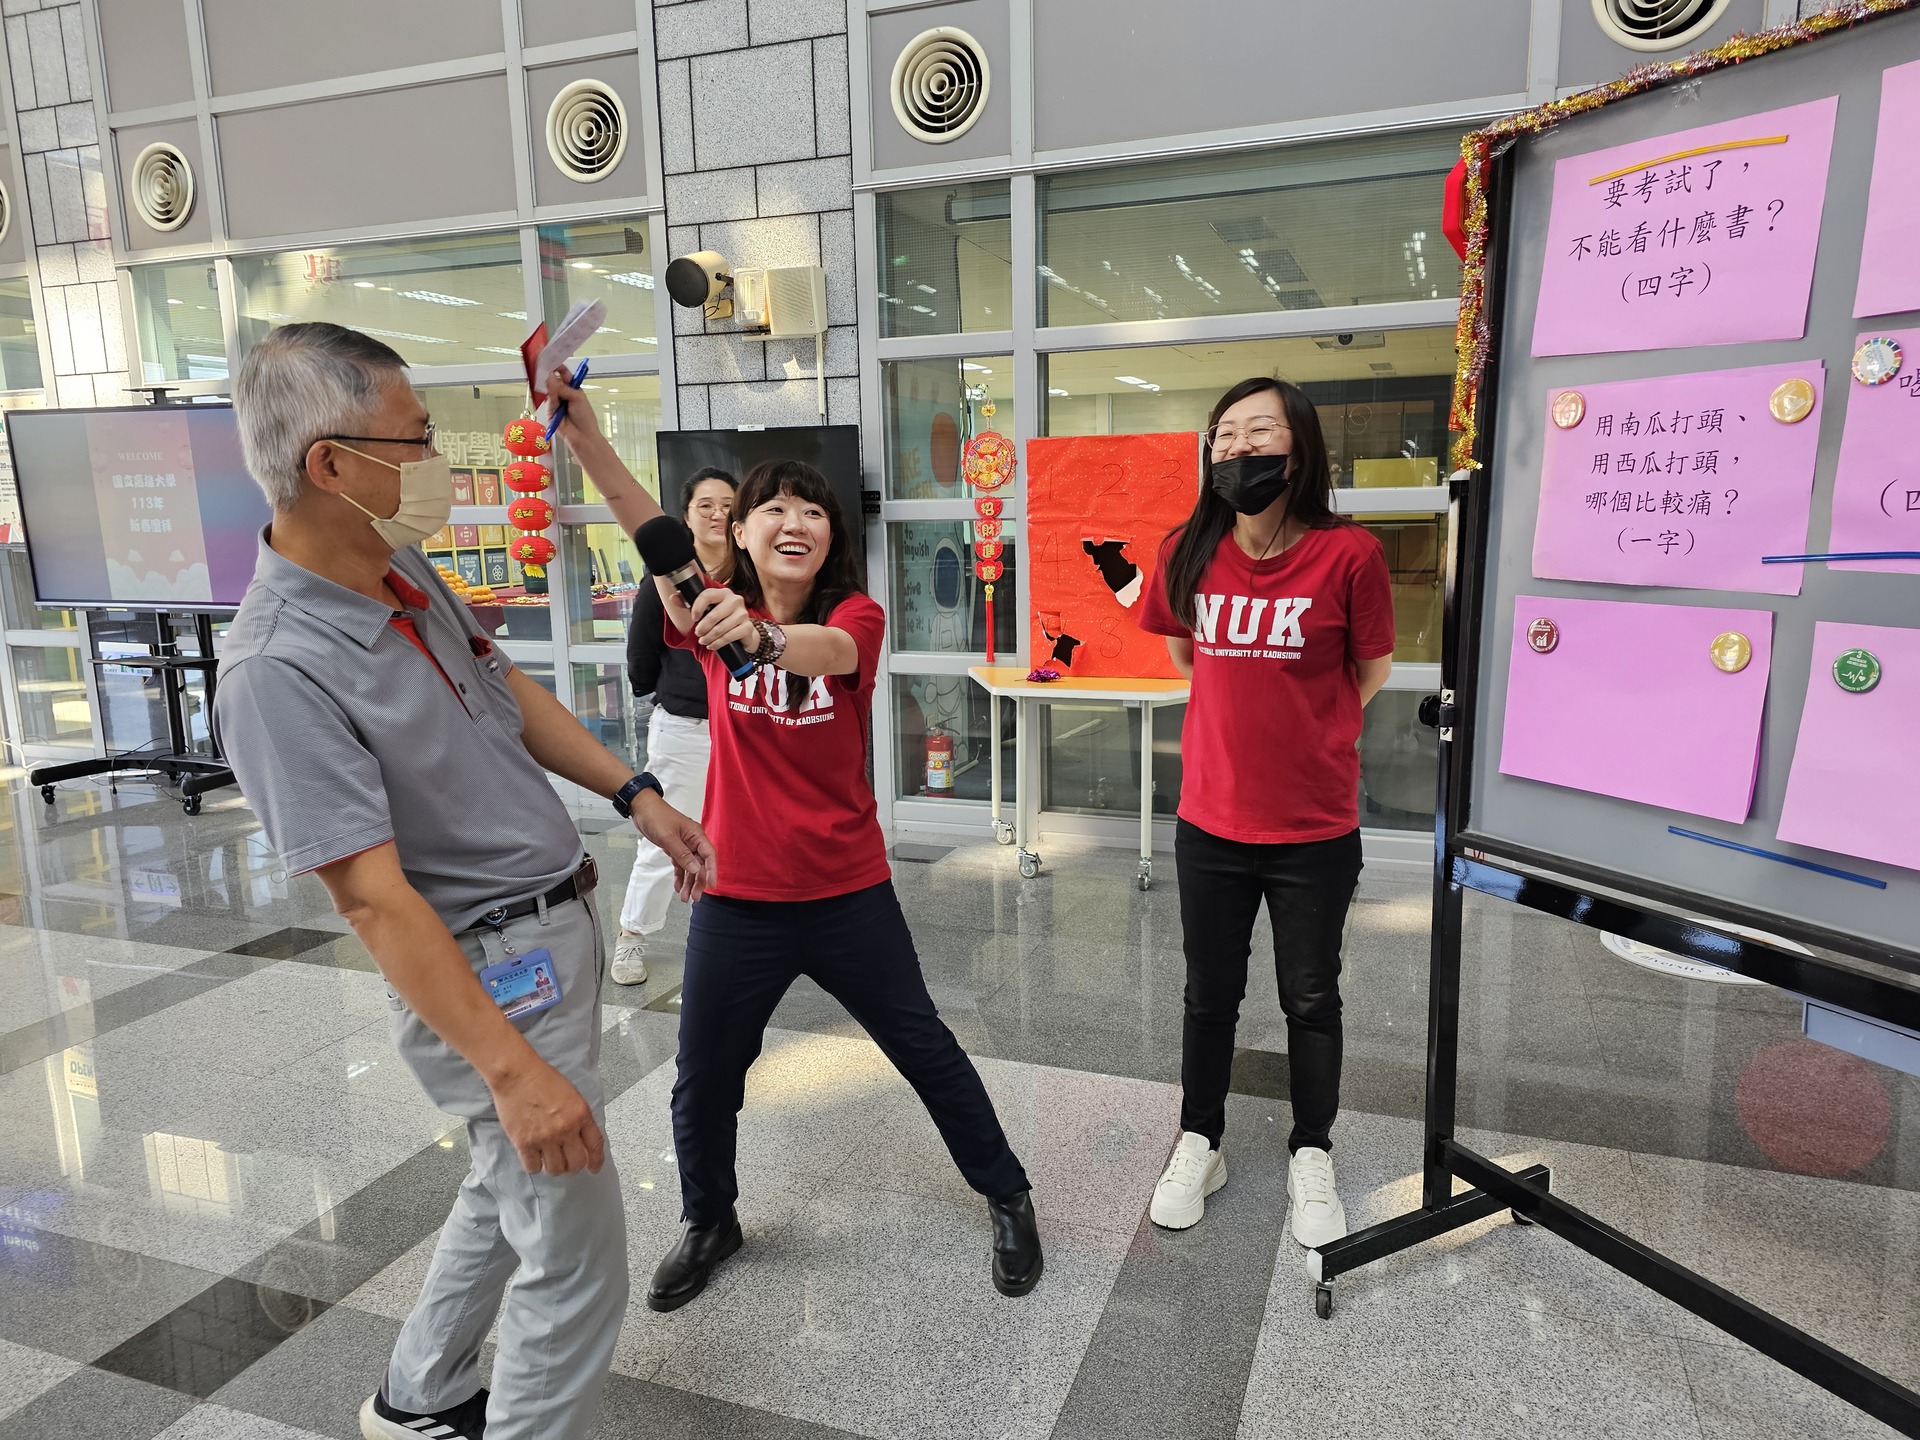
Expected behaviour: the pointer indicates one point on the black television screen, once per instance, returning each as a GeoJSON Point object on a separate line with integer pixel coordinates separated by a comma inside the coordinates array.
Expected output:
{"type": "Point", "coordinates": [149, 507]}
{"type": "Point", "coordinates": [833, 450]}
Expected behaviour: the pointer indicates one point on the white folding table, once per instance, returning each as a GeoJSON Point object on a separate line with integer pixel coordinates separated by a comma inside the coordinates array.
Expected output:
{"type": "Point", "coordinates": [1011, 681]}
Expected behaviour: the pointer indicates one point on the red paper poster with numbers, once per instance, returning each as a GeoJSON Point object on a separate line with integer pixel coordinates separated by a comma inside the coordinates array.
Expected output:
{"type": "Point", "coordinates": [1098, 507]}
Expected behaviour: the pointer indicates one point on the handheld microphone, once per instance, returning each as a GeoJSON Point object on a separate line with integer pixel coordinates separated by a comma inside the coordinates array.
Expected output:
{"type": "Point", "coordinates": [667, 547]}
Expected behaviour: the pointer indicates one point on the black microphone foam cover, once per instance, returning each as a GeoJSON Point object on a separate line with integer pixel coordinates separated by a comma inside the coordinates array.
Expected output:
{"type": "Point", "coordinates": [665, 543]}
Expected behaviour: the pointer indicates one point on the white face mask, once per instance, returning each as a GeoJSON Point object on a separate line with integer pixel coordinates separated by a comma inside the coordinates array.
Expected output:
{"type": "Point", "coordinates": [426, 499]}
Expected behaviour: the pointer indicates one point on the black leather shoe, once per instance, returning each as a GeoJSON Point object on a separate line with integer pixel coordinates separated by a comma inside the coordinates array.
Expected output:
{"type": "Point", "coordinates": [1017, 1261]}
{"type": "Point", "coordinates": [683, 1274]}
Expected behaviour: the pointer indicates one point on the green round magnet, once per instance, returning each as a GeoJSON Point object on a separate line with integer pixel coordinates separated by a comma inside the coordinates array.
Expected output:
{"type": "Point", "coordinates": [1856, 671]}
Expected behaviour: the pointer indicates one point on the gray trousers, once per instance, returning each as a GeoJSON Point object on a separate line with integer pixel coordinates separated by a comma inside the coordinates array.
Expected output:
{"type": "Point", "coordinates": [554, 1247]}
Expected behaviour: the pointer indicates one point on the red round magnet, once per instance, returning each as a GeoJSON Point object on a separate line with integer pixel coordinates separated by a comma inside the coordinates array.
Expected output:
{"type": "Point", "coordinates": [1542, 636]}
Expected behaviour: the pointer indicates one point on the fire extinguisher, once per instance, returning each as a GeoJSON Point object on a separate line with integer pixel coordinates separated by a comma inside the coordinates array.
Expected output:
{"type": "Point", "coordinates": [939, 763]}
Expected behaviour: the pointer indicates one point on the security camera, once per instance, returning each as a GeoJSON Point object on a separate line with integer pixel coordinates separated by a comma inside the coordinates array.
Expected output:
{"type": "Point", "coordinates": [1346, 339]}
{"type": "Point", "coordinates": [701, 279]}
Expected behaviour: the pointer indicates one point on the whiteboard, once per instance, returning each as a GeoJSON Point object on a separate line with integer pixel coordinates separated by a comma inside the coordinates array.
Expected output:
{"type": "Point", "coordinates": [1626, 842]}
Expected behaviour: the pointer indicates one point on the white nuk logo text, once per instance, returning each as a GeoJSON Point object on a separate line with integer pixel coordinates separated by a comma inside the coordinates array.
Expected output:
{"type": "Point", "coordinates": [764, 692]}
{"type": "Point", "coordinates": [1244, 615]}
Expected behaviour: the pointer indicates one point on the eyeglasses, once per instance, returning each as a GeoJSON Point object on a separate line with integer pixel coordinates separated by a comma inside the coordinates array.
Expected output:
{"type": "Point", "coordinates": [425, 442]}
{"type": "Point", "coordinates": [1258, 435]}
{"type": "Point", "coordinates": [711, 508]}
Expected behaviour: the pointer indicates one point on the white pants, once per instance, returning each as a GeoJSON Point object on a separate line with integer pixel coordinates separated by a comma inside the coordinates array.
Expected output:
{"type": "Point", "coordinates": [677, 751]}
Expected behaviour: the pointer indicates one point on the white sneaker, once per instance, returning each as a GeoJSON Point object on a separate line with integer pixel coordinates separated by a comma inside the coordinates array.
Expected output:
{"type": "Point", "coordinates": [1194, 1171]}
{"type": "Point", "coordinates": [629, 960]}
{"type": "Point", "coordinates": [1318, 1216]}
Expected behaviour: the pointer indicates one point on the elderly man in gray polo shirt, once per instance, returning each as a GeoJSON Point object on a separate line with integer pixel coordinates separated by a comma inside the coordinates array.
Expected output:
{"type": "Point", "coordinates": [389, 748]}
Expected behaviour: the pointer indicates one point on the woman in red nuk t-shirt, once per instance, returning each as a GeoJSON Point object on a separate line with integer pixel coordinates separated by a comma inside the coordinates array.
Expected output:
{"type": "Point", "coordinates": [802, 882]}
{"type": "Point", "coordinates": [1281, 614]}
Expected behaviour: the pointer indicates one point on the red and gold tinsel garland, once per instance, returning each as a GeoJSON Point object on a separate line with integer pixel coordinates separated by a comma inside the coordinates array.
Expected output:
{"type": "Point", "coordinates": [1473, 334]}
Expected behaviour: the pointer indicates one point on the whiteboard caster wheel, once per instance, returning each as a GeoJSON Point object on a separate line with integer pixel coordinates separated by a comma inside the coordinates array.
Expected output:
{"type": "Point", "coordinates": [1146, 875]}
{"type": "Point", "coordinates": [46, 793]}
{"type": "Point", "coordinates": [191, 804]}
{"type": "Point", "coordinates": [1002, 833]}
{"type": "Point", "coordinates": [1029, 864]}
{"type": "Point", "coordinates": [1323, 1301]}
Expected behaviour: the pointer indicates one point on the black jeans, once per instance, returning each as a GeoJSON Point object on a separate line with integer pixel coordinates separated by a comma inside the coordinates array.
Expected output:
{"type": "Point", "coordinates": [741, 957]}
{"type": "Point", "coordinates": [1308, 888]}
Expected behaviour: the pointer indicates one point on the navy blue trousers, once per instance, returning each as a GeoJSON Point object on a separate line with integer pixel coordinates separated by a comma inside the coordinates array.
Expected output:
{"type": "Point", "coordinates": [742, 955]}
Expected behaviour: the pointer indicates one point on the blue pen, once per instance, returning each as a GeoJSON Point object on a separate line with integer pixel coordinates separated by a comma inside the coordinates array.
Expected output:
{"type": "Point", "coordinates": [560, 406]}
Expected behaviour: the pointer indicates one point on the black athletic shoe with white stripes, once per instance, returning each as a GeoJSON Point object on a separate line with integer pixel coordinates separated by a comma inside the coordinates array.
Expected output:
{"type": "Point", "coordinates": [465, 1421]}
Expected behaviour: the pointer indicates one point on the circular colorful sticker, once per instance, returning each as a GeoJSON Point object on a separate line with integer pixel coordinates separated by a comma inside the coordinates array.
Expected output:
{"type": "Point", "coordinates": [1856, 671]}
{"type": "Point", "coordinates": [1731, 651]}
{"type": "Point", "coordinates": [1569, 406]}
{"type": "Point", "coordinates": [1877, 360]}
{"type": "Point", "coordinates": [1791, 401]}
{"type": "Point", "coordinates": [1542, 636]}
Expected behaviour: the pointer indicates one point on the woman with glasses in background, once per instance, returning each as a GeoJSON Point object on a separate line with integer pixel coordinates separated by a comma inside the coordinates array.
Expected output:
{"type": "Point", "coordinates": [1281, 615]}
{"type": "Point", "coordinates": [677, 742]}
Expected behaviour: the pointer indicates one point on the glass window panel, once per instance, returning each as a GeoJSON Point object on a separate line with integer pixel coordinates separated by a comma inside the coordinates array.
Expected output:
{"type": "Point", "coordinates": [1091, 758]}
{"type": "Point", "coordinates": [606, 260]}
{"type": "Point", "coordinates": [1353, 222]}
{"type": "Point", "coordinates": [19, 337]}
{"type": "Point", "coordinates": [176, 309]}
{"type": "Point", "coordinates": [953, 707]}
{"type": "Point", "coordinates": [629, 411]}
{"type": "Point", "coordinates": [16, 593]}
{"type": "Point", "coordinates": [935, 600]}
{"type": "Point", "coordinates": [468, 425]}
{"type": "Point", "coordinates": [53, 697]}
{"type": "Point", "coordinates": [946, 259]}
{"type": "Point", "coordinates": [605, 704]}
{"type": "Point", "coordinates": [456, 300]}
{"type": "Point", "coordinates": [1416, 550]}
{"type": "Point", "coordinates": [1382, 398]}
{"type": "Point", "coordinates": [932, 407]}
{"type": "Point", "coordinates": [603, 573]}
{"type": "Point", "coordinates": [1399, 764]}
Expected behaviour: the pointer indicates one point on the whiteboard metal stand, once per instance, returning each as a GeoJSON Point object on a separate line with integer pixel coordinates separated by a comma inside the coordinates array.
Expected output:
{"type": "Point", "coordinates": [1010, 682]}
{"type": "Point", "coordinates": [1575, 891]}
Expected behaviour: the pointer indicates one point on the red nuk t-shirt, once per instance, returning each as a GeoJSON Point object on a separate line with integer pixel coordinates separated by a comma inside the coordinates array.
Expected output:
{"type": "Point", "coordinates": [1269, 751]}
{"type": "Point", "coordinates": [788, 806]}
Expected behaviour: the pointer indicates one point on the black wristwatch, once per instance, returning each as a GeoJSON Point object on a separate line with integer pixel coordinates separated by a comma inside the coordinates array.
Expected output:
{"type": "Point", "coordinates": [624, 797]}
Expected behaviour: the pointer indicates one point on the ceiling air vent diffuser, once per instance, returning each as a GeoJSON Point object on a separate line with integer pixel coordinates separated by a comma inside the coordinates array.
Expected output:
{"type": "Point", "coordinates": [586, 130]}
{"type": "Point", "coordinates": [163, 186]}
{"type": "Point", "coordinates": [940, 85]}
{"type": "Point", "coordinates": [1656, 24]}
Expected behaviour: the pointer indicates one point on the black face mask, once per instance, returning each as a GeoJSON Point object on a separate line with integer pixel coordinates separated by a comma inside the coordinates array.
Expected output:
{"type": "Point", "coordinates": [1250, 483]}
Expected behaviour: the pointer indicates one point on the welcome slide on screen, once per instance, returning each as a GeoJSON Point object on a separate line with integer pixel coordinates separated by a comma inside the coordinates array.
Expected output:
{"type": "Point", "coordinates": [150, 528]}
{"type": "Point", "coordinates": [140, 507]}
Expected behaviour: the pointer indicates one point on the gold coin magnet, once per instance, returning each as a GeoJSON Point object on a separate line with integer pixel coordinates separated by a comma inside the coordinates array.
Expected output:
{"type": "Point", "coordinates": [1791, 401]}
{"type": "Point", "coordinates": [1568, 409]}
{"type": "Point", "coordinates": [1731, 651]}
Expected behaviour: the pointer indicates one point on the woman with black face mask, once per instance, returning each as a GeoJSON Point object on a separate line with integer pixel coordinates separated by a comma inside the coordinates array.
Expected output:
{"type": "Point", "coordinates": [1281, 614]}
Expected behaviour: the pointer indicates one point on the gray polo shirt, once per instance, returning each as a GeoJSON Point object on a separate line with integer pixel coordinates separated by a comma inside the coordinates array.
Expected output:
{"type": "Point", "coordinates": [344, 736]}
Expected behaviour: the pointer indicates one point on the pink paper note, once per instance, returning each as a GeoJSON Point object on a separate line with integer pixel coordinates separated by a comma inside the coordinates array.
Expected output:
{"type": "Point", "coordinates": [1889, 280]}
{"type": "Point", "coordinates": [1876, 484]}
{"type": "Point", "coordinates": [1856, 769]}
{"type": "Point", "coordinates": [1629, 703]}
{"type": "Point", "coordinates": [1683, 480]}
{"type": "Point", "coordinates": [1701, 237]}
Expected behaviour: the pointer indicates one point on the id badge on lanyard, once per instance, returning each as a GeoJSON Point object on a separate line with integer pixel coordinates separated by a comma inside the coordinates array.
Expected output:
{"type": "Point", "coordinates": [523, 985]}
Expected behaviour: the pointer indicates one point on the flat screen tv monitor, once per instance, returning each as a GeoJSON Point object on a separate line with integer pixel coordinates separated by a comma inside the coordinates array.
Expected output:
{"type": "Point", "coordinates": [833, 450]}
{"type": "Point", "coordinates": [144, 508]}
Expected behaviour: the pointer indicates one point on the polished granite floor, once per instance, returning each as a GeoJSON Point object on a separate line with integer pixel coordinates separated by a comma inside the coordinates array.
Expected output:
{"type": "Point", "coordinates": [218, 1189]}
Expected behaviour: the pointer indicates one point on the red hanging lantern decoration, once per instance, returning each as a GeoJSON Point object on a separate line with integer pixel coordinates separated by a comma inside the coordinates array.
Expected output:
{"type": "Point", "coordinates": [526, 437]}
{"type": "Point", "coordinates": [987, 464]}
{"type": "Point", "coordinates": [531, 549]}
{"type": "Point", "coordinates": [527, 477]}
{"type": "Point", "coordinates": [529, 512]}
